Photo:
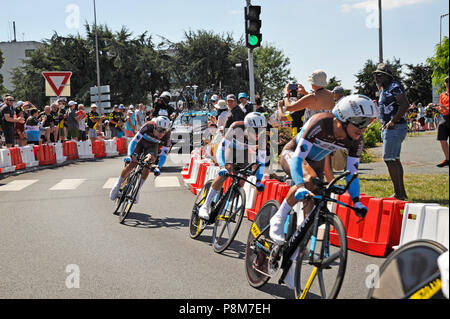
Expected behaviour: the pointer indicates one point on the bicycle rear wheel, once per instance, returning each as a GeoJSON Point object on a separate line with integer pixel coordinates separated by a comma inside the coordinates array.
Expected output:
{"type": "Point", "coordinates": [258, 251]}
{"type": "Point", "coordinates": [229, 220]}
{"type": "Point", "coordinates": [129, 194]}
{"type": "Point", "coordinates": [196, 224]}
{"type": "Point", "coordinates": [324, 278]}
{"type": "Point", "coordinates": [403, 272]}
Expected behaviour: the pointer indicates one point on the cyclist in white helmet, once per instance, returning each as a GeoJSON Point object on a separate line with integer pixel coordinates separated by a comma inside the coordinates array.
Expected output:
{"type": "Point", "coordinates": [163, 104]}
{"type": "Point", "coordinates": [153, 136]}
{"type": "Point", "coordinates": [244, 143]}
{"type": "Point", "coordinates": [303, 157]}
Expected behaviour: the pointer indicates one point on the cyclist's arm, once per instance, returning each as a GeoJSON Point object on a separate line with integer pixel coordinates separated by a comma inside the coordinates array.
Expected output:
{"type": "Point", "coordinates": [352, 167]}
{"type": "Point", "coordinates": [221, 152]}
{"type": "Point", "coordinates": [261, 160]}
{"type": "Point", "coordinates": [164, 151]}
{"type": "Point", "coordinates": [301, 153]}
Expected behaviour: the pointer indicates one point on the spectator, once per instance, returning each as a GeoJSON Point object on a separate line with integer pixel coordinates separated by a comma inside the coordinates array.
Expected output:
{"type": "Point", "coordinates": [393, 107]}
{"type": "Point", "coordinates": [222, 113]}
{"type": "Point", "coordinates": [258, 105]}
{"type": "Point", "coordinates": [33, 126]}
{"type": "Point", "coordinates": [114, 119]}
{"type": "Point", "coordinates": [7, 120]}
{"type": "Point", "coordinates": [93, 122]}
{"type": "Point", "coordinates": [122, 119]}
{"type": "Point", "coordinates": [48, 126]}
{"type": "Point", "coordinates": [421, 116]}
{"type": "Point", "coordinates": [20, 135]}
{"type": "Point", "coordinates": [73, 127]}
{"type": "Point", "coordinates": [444, 125]}
{"type": "Point", "coordinates": [26, 109]}
{"type": "Point", "coordinates": [214, 101]}
{"type": "Point", "coordinates": [62, 117]}
{"type": "Point", "coordinates": [320, 100]}
{"type": "Point", "coordinates": [54, 113]}
{"type": "Point", "coordinates": [245, 106]}
{"type": "Point", "coordinates": [82, 122]}
{"type": "Point", "coordinates": [130, 124]}
{"type": "Point", "coordinates": [235, 113]}
{"type": "Point", "coordinates": [140, 117]}
{"type": "Point", "coordinates": [413, 111]}
{"type": "Point", "coordinates": [338, 93]}
{"type": "Point", "coordinates": [429, 117]}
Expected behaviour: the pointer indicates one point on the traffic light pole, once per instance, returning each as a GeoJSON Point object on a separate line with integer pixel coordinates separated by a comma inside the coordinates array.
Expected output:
{"type": "Point", "coordinates": [251, 68]}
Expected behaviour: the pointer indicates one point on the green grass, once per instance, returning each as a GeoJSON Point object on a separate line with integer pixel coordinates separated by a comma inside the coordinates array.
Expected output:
{"type": "Point", "coordinates": [420, 188]}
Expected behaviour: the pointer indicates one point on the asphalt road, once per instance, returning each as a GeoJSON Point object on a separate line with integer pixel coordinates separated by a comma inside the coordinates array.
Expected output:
{"type": "Point", "coordinates": [55, 222]}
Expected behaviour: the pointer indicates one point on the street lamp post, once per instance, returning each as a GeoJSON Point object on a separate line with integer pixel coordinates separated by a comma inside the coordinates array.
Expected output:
{"type": "Point", "coordinates": [98, 62]}
{"type": "Point", "coordinates": [380, 30]}
{"type": "Point", "coordinates": [440, 34]}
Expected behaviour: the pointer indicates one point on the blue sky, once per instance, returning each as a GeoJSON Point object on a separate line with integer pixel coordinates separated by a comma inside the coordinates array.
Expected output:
{"type": "Point", "coordinates": [337, 36]}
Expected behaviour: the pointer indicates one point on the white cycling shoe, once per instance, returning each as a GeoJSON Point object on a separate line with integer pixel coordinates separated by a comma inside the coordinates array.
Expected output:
{"type": "Point", "coordinates": [204, 212]}
{"type": "Point", "coordinates": [114, 192]}
{"type": "Point", "coordinates": [276, 231]}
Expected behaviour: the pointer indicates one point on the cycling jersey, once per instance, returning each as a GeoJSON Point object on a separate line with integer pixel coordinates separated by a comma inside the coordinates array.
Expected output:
{"type": "Point", "coordinates": [316, 141]}
{"type": "Point", "coordinates": [146, 142]}
{"type": "Point", "coordinates": [236, 149]}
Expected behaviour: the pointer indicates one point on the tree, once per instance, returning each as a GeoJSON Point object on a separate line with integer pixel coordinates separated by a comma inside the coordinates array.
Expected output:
{"type": "Point", "coordinates": [418, 83]}
{"type": "Point", "coordinates": [334, 82]}
{"type": "Point", "coordinates": [439, 65]}
{"type": "Point", "coordinates": [365, 83]}
{"type": "Point", "coordinates": [2, 60]}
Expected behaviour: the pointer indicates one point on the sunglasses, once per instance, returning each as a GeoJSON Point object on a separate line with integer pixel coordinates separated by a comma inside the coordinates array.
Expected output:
{"type": "Point", "coordinates": [361, 122]}
{"type": "Point", "coordinates": [10, 100]}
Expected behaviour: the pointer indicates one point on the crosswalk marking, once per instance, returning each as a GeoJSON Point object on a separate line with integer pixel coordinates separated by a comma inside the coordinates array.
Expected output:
{"type": "Point", "coordinates": [67, 184]}
{"type": "Point", "coordinates": [16, 186]}
{"type": "Point", "coordinates": [110, 183]}
{"type": "Point", "coordinates": [167, 181]}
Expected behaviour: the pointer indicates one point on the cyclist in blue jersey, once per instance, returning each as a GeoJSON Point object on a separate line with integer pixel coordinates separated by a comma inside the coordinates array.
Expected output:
{"type": "Point", "coordinates": [148, 141]}
{"type": "Point", "coordinates": [244, 143]}
{"type": "Point", "coordinates": [303, 157]}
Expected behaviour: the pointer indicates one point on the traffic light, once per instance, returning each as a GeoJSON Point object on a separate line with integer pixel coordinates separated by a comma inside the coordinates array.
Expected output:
{"type": "Point", "coordinates": [253, 36]}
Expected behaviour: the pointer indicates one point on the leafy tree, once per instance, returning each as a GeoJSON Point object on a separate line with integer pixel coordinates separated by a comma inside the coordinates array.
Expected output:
{"type": "Point", "coordinates": [365, 83]}
{"type": "Point", "coordinates": [418, 83]}
{"type": "Point", "coordinates": [334, 82]}
{"type": "Point", "coordinates": [439, 65]}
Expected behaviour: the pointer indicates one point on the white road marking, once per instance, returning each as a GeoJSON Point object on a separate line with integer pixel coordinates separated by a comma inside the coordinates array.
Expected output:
{"type": "Point", "coordinates": [110, 183]}
{"type": "Point", "coordinates": [67, 184]}
{"type": "Point", "coordinates": [16, 186]}
{"type": "Point", "coordinates": [167, 181]}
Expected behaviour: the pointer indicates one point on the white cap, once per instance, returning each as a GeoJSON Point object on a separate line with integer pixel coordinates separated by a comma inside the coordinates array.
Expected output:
{"type": "Point", "coordinates": [71, 103]}
{"type": "Point", "coordinates": [221, 105]}
{"type": "Point", "coordinates": [318, 78]}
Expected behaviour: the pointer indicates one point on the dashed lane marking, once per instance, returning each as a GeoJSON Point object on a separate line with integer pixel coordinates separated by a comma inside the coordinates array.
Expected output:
{"type": "Point", "coordinates": [17, 186]}
{"type": "Point", "coordinates": [67, 184]}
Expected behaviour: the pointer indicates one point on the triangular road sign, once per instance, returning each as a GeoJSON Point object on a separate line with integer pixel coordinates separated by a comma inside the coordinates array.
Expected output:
{"type": "Point", "coordinates": [57, 80]}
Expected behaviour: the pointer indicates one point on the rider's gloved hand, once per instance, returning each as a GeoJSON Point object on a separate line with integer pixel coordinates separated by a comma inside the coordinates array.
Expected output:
{"type": "Point", "coordinates": [127, 159]}
{"type": "Point", "coordinates": [361, 210]}
{"type": "Point", "coordinates": [223, 172]}
{"type": "Point", "coordinates": [302, 193]}
{"type": "Point", "coordinates": [157, 172]}
{"type": "Point", "coordinates": [260, 187]}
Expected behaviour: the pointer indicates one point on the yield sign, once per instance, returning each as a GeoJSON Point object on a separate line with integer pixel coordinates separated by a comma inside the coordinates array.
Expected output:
{"type": "Point", "coordinates": [57, 80]}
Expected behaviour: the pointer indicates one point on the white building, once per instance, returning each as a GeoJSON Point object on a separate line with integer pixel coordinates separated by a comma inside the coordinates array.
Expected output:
{"type": "Point", "coordinates": [14, 53]}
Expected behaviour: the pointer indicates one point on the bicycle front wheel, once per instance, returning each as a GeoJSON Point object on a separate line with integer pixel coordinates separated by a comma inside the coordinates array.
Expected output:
{"type": "Point", "coordinates": [229, 220]}
{"type": "Point", "coordinates": [408, 272]}
{"type": "Point", "coordinates": [259, 245]}
{"type": "Point", "coordinates": [196, 224]}
{"type": "Point", "coordinates": [130, 192]}
{"type": "Point", "coordinates": [323, 278]}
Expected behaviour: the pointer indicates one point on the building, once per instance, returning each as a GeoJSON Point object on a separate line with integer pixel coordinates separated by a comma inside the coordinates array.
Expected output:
{"type": "Point", "coordinates": [14, 53]}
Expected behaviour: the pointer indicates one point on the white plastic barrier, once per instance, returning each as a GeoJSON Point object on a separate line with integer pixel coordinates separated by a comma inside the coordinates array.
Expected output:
{"type": "Point", "coordinates": [250, 193]}
{"type": "Point", "coordinates": [5, 161]}
{"type": "Point", "coordinates": [58, 148]}
{"type": "Point", "coordinates": [211, 173]}
{"type": "Point", "coordinates": [111, 148]}
{"type": "Point", "coordinates": [85, 150]}
{"type": "Point", "coordinates": [425, 221]}
{"type": "Point", "coordinates": [28, 157]}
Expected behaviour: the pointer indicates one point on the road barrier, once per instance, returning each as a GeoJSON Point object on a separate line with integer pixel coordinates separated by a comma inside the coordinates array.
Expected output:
{"type": "Point", "coordinates": [5, 161]}
{"type": "Point", "coordinates": [16, 158]}
{"type": "Point", "coordinates": [425, 221]}
{"type": "Point", "coordinates": [70, 150]}
{"type": "Point", "coordinates": [58, 148]}
{"type": "Point", "coordinates": [111, 148]}
{"type": "Point", "coordinates": [201, 178]}
{"type": "Point", "coordinates": [99, 149]}
{"type": "Point", "coordinates": [84, 150]}
{"type": "Point", "coordinates": [45, 155]}
{"type": "Point", "coordinates": [28, 156]}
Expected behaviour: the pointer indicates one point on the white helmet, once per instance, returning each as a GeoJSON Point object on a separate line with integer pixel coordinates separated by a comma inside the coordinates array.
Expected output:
{"type": "Point", "coordinates": [166, 94]}
{"type": "Point", "coordinates": [162, 122]}
{"type": "Point", "coordinates": [255, 120]}
{"type": "Point", "coordinates": [356, 109]}
{"type": "Point", "coordinates": [163, 112]}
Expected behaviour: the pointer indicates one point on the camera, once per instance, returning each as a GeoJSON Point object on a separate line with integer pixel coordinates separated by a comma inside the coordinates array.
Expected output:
{"type": "Point", "coordinates": [293, 88]}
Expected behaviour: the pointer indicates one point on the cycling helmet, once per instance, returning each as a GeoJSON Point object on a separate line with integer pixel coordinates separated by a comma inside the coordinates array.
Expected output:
{"type": "Point", "coordinates": [163, 112]}
{"type": "Point", "coordinates": [255, 120]}
{"type": "Point", "coordinates": [356, 109]}
{"type": "Point", "coordinates": [162, 122]}
{"type": "Point", "coordinates": [166, 94]}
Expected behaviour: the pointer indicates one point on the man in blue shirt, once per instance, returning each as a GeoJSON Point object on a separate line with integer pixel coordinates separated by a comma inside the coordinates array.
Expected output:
{"type": "Point", "coordinates": [393, 107]}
